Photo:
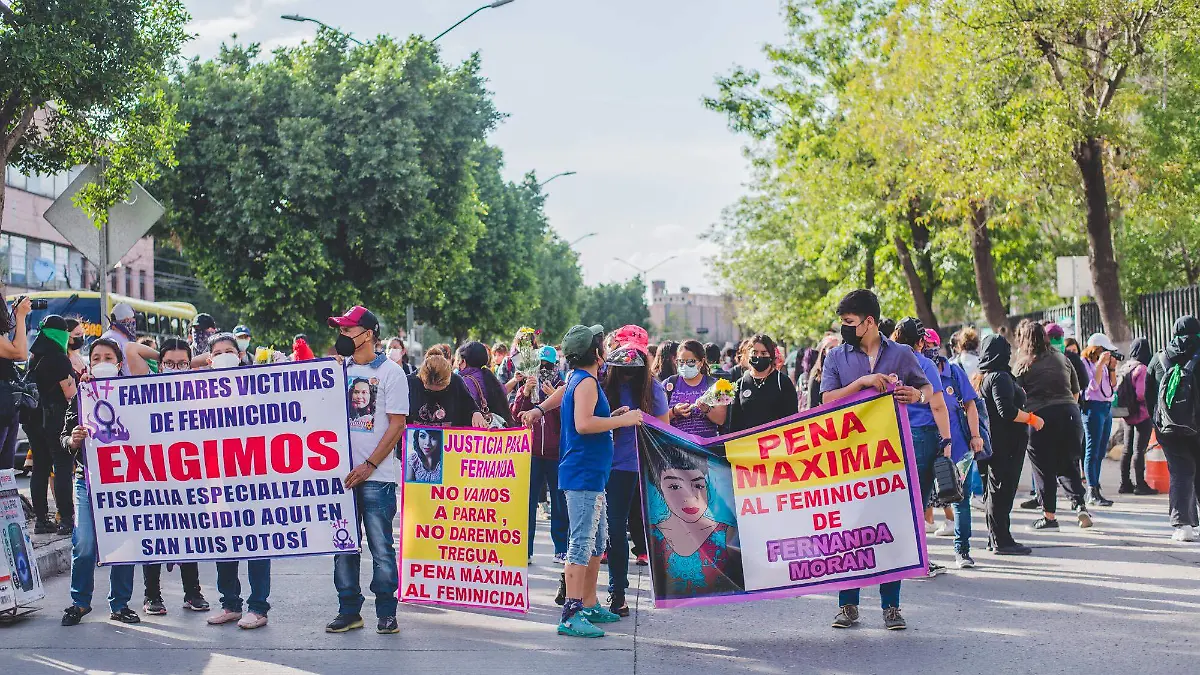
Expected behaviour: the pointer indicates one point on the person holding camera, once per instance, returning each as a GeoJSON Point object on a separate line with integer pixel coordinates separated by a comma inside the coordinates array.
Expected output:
{"type": "Point", "coordinates": [11, 351]}
{"type": "Point", "coordinates": [1100, 359]}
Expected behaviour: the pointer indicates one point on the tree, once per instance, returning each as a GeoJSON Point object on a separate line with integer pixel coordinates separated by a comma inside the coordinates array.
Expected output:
{"type": "Point", "coordinates": [81, 83]}
{"type": "Point", "coordinates": [614, 305]}
{"type": "Point", "coordinates": [560, 287]}
{"type": "Point", "coordinates": [327, 176]}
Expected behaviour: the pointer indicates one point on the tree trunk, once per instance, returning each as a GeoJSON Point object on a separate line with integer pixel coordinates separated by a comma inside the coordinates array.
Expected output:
{"type": "Point", "coordinates": [869, 269]}
{"type": "Point", "coordinates": [1103, 263]}
{"type": "Point", "coordinates": [3, 187]}
{"type": "Point", "coordinates": [985, 271]}
{"type": "Point", "coordinates": [920, 298]}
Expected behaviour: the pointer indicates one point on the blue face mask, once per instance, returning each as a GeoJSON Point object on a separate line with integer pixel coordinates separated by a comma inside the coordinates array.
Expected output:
{"type": "Point", "coordinates": [689, 372]}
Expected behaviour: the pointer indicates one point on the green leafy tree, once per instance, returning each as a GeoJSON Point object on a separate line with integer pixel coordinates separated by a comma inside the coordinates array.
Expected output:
{"type": "Point", "coordinates": [614, 305]}
{"type": "Point", "coordinates": [559, 289]}
{"type": "Point", "coordinates": [326, 176]}
{"type": "Point", "coordinates": [81, 83]}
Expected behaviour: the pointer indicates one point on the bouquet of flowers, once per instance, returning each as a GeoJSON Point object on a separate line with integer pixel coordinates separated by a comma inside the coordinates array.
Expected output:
{"type": "Point", "coordinates": [720, 393]}
{"type": "Point", "coordinates": [524, 354]}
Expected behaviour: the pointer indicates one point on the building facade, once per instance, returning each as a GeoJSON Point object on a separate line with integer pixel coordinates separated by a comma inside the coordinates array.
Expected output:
{"type": "Point", "coordinates": [686, 315]}
{"type": "Point", "coordinates": [35, 257]}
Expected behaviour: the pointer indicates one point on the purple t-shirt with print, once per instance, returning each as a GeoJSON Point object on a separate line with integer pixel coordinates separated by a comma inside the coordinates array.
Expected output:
{"type": "Point", "coordinates": [679, 391]}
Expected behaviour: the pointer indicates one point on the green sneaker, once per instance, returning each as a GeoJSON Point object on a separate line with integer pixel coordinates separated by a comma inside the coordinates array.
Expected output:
{"type": "Point", "coordinates": [599, 614]}
{"type": "Point", "coordinates": [579, 626]}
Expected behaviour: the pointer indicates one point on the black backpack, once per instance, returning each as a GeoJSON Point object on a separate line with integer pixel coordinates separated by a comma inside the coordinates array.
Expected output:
{"type": "Point", "coordinates": [1178, 401]}
{"type": "Point", "coordinates": [1125, 401]}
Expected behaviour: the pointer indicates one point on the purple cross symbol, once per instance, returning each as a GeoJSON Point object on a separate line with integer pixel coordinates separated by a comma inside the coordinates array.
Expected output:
{"type": "Point", "coordinates": [106, 387]}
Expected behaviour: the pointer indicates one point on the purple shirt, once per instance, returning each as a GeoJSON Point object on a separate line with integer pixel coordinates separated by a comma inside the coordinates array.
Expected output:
{"type": "Point", "coordinates": [625, 457]}
{"type": "Point", "coordinates": [679, 391]}
{"type": "Point", "coordinates": [1098, 389]}
{"type": "Point", "coordinates": [845, 364]}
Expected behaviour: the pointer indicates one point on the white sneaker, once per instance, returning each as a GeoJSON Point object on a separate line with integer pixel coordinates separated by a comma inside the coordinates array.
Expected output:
{"type": "Point", "coordinates": [946, 529]}
{"type": "Point", "coordinates": [252, 620]}
{"type": "Point", "coordinates": [930, 527]}
{"type": "Point", "coordinates": [977, 503]}
{"type": "Point", "coordinates": [1185, 533]}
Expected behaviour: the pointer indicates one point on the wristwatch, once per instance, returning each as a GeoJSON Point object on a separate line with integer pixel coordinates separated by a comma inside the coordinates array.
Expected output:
{"type": "Point", "coordinates": [922, 398]}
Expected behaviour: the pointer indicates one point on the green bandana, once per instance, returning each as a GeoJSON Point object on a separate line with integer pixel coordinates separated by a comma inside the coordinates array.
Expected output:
{"type": "Point", "coordinates": [57, 336]}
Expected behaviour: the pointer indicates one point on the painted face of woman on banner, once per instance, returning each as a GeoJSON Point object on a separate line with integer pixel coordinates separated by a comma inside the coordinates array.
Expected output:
{"type": "Point", "coordinates": [685, 492]}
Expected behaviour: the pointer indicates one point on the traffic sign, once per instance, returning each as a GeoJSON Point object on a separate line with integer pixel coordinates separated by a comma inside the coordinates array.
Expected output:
{"type": "Point", "coordinates": [128, 220]}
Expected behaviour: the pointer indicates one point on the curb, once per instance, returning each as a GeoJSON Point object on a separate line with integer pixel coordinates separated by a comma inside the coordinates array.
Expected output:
{"type": "Point", "coordinates": [53, 556]}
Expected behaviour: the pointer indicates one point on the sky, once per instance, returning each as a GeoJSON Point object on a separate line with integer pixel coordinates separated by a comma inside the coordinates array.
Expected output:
{"type": "Point", "coordinates": [610, 89]}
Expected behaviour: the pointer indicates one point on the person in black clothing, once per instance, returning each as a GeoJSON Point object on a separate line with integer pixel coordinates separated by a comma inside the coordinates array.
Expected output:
{"type": "Point", "coordinates": [763, 394]}
{"type": "Point", "coordinates": [50, 368]}
{"type": "Point", "coordinates": [1001, 473]}
{"type": "Point", "coordinates": [485, 389]}
{"type": "Point", "coordinates": [1183, 454]}
{"type": "Point", "coordinates": [438, 397]}
{"type": "Point", "coordinates": [712, 354]}
{"type": "Point", "coordinates": [11, 352]}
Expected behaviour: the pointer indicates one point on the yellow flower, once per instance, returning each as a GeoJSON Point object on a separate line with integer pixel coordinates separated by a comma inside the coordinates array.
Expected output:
{"type": "Point", "coordinates": [723, 386]}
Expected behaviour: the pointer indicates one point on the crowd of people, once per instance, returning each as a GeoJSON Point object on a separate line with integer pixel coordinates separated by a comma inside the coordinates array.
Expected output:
{"type": "Point", "coordinates": [988, 405]}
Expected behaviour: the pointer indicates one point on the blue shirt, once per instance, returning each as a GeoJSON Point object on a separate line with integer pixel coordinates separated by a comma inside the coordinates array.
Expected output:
{"type": "Point", "coordinates": [584, 460]}
{"type": "Point", "coordinates": [920, 414]}
{"type": "Point", "coordinates": [956, 385]}
{"type": "Point", "coordinates": [845, 364]}
{"type": "Point", "coordinates": [625, 439]}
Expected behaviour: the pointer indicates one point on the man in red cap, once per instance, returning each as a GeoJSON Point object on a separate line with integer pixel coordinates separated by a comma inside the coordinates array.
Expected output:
{"type": "Point", "coordinates": [378, 393]}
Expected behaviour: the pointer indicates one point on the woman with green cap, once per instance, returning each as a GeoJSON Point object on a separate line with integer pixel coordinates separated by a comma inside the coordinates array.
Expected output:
{"type": "Point", "coordinates": [50, 368]}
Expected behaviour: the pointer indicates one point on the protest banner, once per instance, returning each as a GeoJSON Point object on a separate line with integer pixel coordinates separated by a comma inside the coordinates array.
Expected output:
{"type": "Point", "coordinates": [821, 501]}
{"type": "Point", "coordinates": [465, 516]}
{"type": "Point", "coordinates": [20, 581]}
{"type": "Point", "coordinates": [231, 464]}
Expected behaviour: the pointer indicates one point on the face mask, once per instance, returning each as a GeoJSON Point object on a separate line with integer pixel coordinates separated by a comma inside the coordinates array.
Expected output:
{"type": "Point", "coordinates": [760, 364]}
{"type": "Point", "coordinates": [243, 345]}
{"type": "Point", "coordinates": [226, 360]}
{"type": "Point", "coordinates": [931, 353]}
{"type": "Point", "coordinates": [76, 343]}
{"type": "Point", "coordinates": [689, 372]}
{"type": "Point", "coordinates": [395, 354]}
{"type": "Point", "coordinates": [105, 369]}
{"type": "Point", "coordinates": [345, 346]}
{"type": "Point", "coordinates": [850, 335]}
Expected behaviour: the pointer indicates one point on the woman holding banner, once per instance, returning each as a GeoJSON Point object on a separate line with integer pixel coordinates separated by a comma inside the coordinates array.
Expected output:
{"type": "Point", "coordinates": [105, 362]}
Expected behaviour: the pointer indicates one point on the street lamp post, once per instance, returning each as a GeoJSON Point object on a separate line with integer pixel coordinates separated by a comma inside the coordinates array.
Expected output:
{"type": "Point", "coordinates": [589, 234]}
{"type": "Point", "coordinates": [646, 271]}
{"type": "Point", "coordinates": [557, 175]}
{"type": "Point", "coordinates": [493, 5]}
{"type": "Point", "coordinates": [302, 19]}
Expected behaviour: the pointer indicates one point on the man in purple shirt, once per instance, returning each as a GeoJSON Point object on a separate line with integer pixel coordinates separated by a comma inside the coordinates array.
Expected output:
{"type": "Point", "coordinates": [868, 360]}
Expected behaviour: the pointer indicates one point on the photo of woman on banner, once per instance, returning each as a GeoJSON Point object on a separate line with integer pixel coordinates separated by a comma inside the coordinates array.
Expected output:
{"type": "Point", "coordinates": [424, 461]}
{"type": "Point", "coordinates": [695, 551]}
{"type": "Point", "coordinates": [362, 404]}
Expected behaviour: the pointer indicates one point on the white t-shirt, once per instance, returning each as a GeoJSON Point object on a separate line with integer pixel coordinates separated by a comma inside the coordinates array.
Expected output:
{"type": "Point", "coordinates": [374, 393]}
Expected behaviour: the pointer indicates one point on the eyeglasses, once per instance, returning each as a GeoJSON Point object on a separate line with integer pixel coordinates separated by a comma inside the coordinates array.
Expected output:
{"type": "Point", "coordinates": [176, 365]}
{"type": "Point", "coordinates": [687, 362]}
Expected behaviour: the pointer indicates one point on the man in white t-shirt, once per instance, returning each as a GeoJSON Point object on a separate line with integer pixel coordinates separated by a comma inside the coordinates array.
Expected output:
{"type": "Point", "coordinates": [377, 402]}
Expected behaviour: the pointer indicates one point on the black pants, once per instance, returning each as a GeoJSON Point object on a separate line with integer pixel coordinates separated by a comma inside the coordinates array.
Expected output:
{"type": "Point", "coordinates": [1055, 453]}
{"type": "Point", "coordinates": [1183, 454]}
{"type": "Point", "coordinates": [1001, 475]}
{"type": "Point", "coordinates": [637, 522]}
{"type": "Point", "coordinates": [191, 580]}
{"type": "Point", "coordinates": [43, 431]}
{"type": "Point", "coordinates": [1137, 438]}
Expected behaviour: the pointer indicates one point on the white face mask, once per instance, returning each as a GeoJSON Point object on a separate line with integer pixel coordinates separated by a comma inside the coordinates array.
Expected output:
{"type": "Point", "coordinates": [105, 369]}
{"type": "Point", "coordinates": [395, 354]}
{"type": "Point", "coordinates": [243, 345]}
{"type": "Point", "coordinates": [226, 360]}
{"type": "Point", "coordinates": [689, 372]}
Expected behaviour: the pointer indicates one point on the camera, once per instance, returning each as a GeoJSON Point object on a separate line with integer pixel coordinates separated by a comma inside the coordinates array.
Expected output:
{"type": "Point", "coordinates": [39, 304]}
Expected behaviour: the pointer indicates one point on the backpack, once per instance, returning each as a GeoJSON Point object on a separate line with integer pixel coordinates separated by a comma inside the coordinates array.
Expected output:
{"type": "Point", "coordinates": [1125, 400]}
{"type": "Point", "coordinates": [494, 420]}
{"type": "Point", "coordinates": [1178, 401]}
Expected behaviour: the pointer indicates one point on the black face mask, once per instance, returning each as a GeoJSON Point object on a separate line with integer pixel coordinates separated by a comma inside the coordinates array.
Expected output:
{"type": "Point", "coordinates": [345, 346]}
{"type": "Point", "coordinates": [850, 335]}
{"type": "Point", "coordinates": [75, 344]}
{"type": "Point", "coordinates": [760, 364]}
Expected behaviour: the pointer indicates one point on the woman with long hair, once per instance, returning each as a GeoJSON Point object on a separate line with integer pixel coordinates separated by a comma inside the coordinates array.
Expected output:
{"type": "Point", "coordinates": [438, 397]}
{"type": "Point", "coordinates": [813, 379]}
{"type": "Point", "coordinates": [683, 389]}
{"type": "Point", "coordinates": [664, 359]}
{"type": "Point", "coordinates": [1051, 389]}
{"type": "Point", "coordinates": [75, 344]}
{"type": "Point", "coordinates": [424, 463]}
{"type": "Point", "coordinates": [1101, 366]}
{"type": "Point", "coordinates": [763, 394]}
{"type": "Point", "coordinates": [50, 367]}
{"type": "Point", "coordinates": [489, 394]}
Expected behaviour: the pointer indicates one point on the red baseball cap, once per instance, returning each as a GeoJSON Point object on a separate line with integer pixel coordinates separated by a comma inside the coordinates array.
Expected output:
{"type": "Point", "coordinates": [356, 316]}
{"type": "Point", "coordinates": [633, 337]}
{"type": "Point", "coordinates": [932, 338]}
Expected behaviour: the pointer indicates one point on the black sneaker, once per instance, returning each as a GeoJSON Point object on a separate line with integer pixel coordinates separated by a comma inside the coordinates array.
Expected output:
{"type": "Point", "coordinates": [1144, 491]}
{"type": "Point", "coordinates": [65, 529]}
{"type": "Point", "coordinates": [1125, 489]}
{"type": "Point", "coordinates": [126, 615]}
{"type": "Point", "coordinates": [44, 526]}
{"type": "Point", "coordinates": [387, 626]}
{"type": "Point", "coordinates": [1044, 524]}
{"type": "Point", "coordinates": [344, 622]}
{"type": "Point", "coordinates": [617, 604]}
{"type": "Point", "coordinates": [196, 604]}
{"type": "Point", "coordinates": [1031, 504]}
{"type": "Point", "coordinates": [73, 614]}
{"type": "Point", "coordinates": [561, 598]}
{"type": "Point", "coordinates": [1013, 549]}
{"type": "Point", "coordinates": [155, 607]}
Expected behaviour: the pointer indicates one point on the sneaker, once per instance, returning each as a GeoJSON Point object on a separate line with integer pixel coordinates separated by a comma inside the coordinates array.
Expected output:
{"type": "Point", "coordinates": [1125, 489]}
{"type": "Point", "coordinates": [1013, 549]}
{"type": "Point", "coordinates": [964, 561]}
{"type": "Point", "coordinates": [598, 614]}
{"type": "Point", "coordinates": [126, 615]}
{"type": "Point", "coordinates": [977, 503]}
{"type": "Point", "coordinates": [65, 529]}
{"type": "Point", "coordinates": [934, 569]}
{"type": "Point", "coordinates": [892, 619]}
{"type": "Point", "coordinates": [44, 526]}
{"type": "Point", "coordinates": [196, 604]}
{"type": "Point", "coordinates": [1031, 504]}
{"type": "Point", "coordinates": [617, 604]}
{"type": "Point", "coordinates": [344, 622]}
{"type": "Point", "coordinates": [387, 626]}
{"type": "Point", "coordinates": [1182, 533]}
{"type": "Point", "coordinates": [154, 607]}
{"type": "Point", "coordinates": [1044, 523]}
{"type": "Point", "coordinates": [73, 614]}
{"type": "Point", "coordinates": [930, 528]}
{"type": "Point", "coordinates": [946, 529]}
{"type": "Point", "coordinates": [643, 560]}
{"type": "Point", "coordinates": [1085, 518]}
{"type": "Point", "coordinates": [1144, 491]}
{"type": "Point", "coordinates": [847, 617]}
{"type": "Point", "coordinates": [224, 616]}
{"type": "Point", "coordinates": [561, 597]}
{"type": "Point", "coordinates": [604, 558]}
{"type": "Point", "coordinates": [530, 563]}
{"type": "Point", "coordinates": [560, 558]}
{"type": "Point", "coordinates": [1094, 498]}
{"type": "Point", "coordinates": [579, 626]}
{"type": "Point", "coordinates": [252, 620]}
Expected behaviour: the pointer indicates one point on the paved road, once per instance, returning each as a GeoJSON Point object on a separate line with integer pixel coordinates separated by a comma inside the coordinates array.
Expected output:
{"type": "Point", "coordinates": [1117, 598]}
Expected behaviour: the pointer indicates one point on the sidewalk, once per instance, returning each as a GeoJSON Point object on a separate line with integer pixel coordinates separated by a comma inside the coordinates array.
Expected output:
{"type": "Point", "coordinates": [53, 551]}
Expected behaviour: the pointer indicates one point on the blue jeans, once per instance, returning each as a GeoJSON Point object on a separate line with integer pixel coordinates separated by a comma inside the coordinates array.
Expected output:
{"type": "Point", "coordinates": [230, 587]}
{"type": "Point", "coordinates": [889, 595]}
{"type": "Point", "coordinates": [962, 520]}
{"type": "Point", "coordinates": [1097, 428]}
{"type": "Point", "coordinates": [586, 510]}
{"type": "Point", "coordinates": [544, 471]}
{"type": "Point", "coordinates": [619, 493]}
{"type": "Point", "coordinates": [83, 559]}
{"type": "Point", "coordinates": [376, 501]}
